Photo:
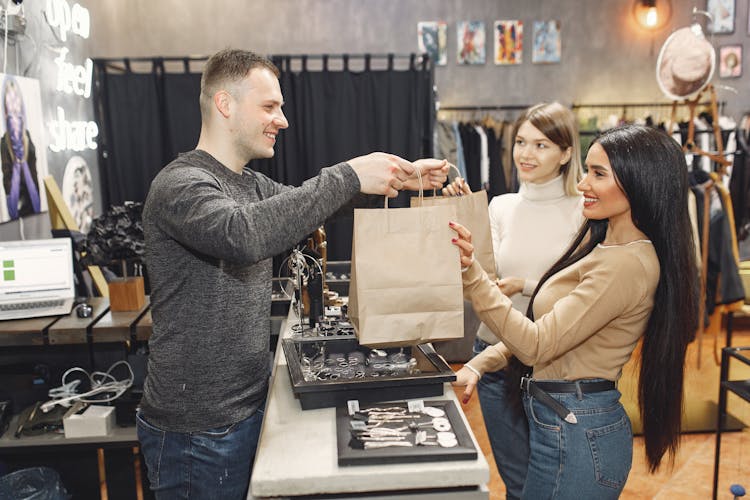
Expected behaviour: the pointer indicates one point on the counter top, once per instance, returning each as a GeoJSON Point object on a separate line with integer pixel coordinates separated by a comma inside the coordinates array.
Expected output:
{"type": "Point", "coordinates": [297, 453]}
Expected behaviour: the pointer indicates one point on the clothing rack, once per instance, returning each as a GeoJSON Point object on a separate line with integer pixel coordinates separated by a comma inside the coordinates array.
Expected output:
{"type": "Point", "coordinates": [639, 105]}
{"type": "Point", "coordinates": [503, 107]}
{"type": "Point", "coordinates": [471, 113]}
{"type": "Point", "coordinates": [665, 112]}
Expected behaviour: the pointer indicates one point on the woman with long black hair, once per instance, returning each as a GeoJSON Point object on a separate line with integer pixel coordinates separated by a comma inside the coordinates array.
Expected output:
{"type": "Point", "coordinates": [628, 275]}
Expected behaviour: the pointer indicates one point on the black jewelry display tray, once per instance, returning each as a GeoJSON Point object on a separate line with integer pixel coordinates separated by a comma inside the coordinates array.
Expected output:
{"type": "Point", "coordinates": [393, 455]}
{"type": "Point", "coordinates": [434, 372]}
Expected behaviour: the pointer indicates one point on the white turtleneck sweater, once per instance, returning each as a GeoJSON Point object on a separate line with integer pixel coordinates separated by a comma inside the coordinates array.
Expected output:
{"type": "Point", "coordinates": [530, 231]}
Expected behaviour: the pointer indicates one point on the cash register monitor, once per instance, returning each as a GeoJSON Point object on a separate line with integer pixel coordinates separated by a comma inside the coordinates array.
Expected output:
{"type": "Point", "coordinates": [36, 278]}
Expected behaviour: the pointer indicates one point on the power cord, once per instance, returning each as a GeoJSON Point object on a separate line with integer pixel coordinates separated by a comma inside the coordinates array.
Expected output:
{"type": "Point", "coordinates": [101, 383]}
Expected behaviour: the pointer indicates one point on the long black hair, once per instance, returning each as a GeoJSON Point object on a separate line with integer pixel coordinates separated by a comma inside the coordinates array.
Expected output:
{"type": "Point", "coordinates": [650, 168]}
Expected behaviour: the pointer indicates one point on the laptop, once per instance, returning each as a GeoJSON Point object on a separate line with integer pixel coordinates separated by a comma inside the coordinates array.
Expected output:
{"type": "Point", "coordinates": [36, 278]}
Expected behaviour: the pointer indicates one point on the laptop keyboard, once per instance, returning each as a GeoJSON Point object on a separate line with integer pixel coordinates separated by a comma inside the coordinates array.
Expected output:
{"type": "Point", "coordinates": [42, 304]}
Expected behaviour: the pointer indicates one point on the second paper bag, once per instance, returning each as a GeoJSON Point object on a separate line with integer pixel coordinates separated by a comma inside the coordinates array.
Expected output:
{"type": "Point", "coordinates": [406, 277]}
{"type": "Point", "coordinates": [471, 212]}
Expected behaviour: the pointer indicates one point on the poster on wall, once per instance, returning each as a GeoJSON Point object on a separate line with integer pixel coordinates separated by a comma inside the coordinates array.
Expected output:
{"type": "Point", "coordinates": [546, 47]}
{"type": "Point", "coordinates": [23, 148]}
{"type": "Point", "coordinates": [432, 38]}
{"type": "Point", "coordinates": [470, 38]}
{"type": "Point", "coordinates": [722, 15]}
{"type": "Point", "coordinates": [508, 42]}
{"type": "Point", "coordinates": [730, 61]}
{"type": "Point", "coordinates": [78, 192]}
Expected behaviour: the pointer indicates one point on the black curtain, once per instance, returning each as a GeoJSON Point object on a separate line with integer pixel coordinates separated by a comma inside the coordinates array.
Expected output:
{"type": "Point", "coordinates": [334, 115]}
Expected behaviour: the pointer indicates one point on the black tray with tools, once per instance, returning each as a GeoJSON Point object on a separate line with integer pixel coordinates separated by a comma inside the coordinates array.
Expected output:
{"type": "Point", "coordinates": [329, 372]}
{"type": "Point", "coordinates": [408, 437]}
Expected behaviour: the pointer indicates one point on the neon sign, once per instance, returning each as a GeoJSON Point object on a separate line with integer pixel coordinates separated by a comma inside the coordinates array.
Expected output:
{"type": "Point", "coordinates": [75, 20]}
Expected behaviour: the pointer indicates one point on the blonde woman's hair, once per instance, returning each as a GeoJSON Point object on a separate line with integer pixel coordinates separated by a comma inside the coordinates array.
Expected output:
{"type": "Point", "coordinates": [558, 124]}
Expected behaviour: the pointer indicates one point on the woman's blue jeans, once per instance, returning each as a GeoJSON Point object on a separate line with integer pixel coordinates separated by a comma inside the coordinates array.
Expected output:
{"type": "Point", "coordinates": [215, 463]}
{"type": "Point", "coordinates": [506, 428]}
{"type": "Point", "coordinates": [590, 459]}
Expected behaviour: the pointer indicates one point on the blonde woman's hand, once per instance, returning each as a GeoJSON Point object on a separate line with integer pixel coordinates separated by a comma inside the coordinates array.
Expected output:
{"type": "Point", "coordinates": [510, 286]}
{"type": "Point", "coordinates": [469, 379]}
{"type": "Point", "coordinates": [458, 187]}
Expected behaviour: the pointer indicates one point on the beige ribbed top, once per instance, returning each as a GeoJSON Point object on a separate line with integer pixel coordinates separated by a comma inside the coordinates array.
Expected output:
{"type": "Point", "coordinates": [589, 316]}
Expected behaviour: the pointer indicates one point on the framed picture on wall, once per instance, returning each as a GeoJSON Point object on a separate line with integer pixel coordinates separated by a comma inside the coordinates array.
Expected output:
{"type": "Point", "coordinates": [23, 148]}
{"type": "Point", "coordinates": [722, 15]}
{"type": "Point", "coordinates": [470, 38]}
{"type": "Point", "coordinates": [546, 42]}
{"type": "Point", "coordinates": [508, 42]}
{"type": "Point", "coordinates": [730, 61]}
{"type": "Point", "coordinates": [432, 39]}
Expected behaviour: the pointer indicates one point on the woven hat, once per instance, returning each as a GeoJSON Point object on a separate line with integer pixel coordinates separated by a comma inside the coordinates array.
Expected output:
{"type": "Point", "coordinates": [686, 63]}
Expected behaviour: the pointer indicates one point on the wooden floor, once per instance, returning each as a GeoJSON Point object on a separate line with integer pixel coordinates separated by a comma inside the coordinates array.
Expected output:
{"type": "Point", "coordinates": [692, 474]}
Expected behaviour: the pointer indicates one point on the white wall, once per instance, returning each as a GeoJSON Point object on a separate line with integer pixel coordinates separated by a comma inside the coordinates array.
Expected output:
{"type": "Point", "coordinates": [606, 57]}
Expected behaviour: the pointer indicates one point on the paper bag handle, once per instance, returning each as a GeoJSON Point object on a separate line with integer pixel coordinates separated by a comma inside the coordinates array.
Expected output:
{"type": "Point", "coordinates": [421, 189]}
{"type": "Point", "coordinates": [450, 165]}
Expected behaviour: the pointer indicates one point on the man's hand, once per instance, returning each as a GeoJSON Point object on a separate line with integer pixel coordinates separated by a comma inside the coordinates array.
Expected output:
{"type": "Point", "coordinates": [382, 173]}
{"type": "Point", "coordinates": [434, 174]}
{"type": "Point", "coordinates": [466, 377]}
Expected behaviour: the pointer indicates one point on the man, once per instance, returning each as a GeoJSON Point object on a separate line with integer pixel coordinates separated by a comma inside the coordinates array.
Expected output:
{"type": "Point", "coordinates": [211, 230]}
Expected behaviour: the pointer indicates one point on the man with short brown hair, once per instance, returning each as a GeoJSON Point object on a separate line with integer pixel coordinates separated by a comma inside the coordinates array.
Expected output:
{"type": "Point", "coordinates": [212, 227]}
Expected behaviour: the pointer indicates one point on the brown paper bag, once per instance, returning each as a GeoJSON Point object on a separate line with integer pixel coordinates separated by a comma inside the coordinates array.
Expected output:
{"type": "Point", "coordinates": [472, 212]}
{"type": "Point", "coordinates": [405, 284]}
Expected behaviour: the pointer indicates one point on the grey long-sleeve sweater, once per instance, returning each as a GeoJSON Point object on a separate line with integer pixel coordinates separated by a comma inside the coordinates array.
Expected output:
{"type": "Point", "coordinates": [210, 236]}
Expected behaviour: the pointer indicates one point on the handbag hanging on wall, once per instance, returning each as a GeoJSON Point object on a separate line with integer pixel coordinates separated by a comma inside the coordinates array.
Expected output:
{"type": "Point", "coordinates": [406, 276]}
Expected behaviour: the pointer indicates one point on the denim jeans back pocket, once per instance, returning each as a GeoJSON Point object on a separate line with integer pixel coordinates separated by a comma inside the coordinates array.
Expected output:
{"type": "Point", "coordinates": [612, 451]}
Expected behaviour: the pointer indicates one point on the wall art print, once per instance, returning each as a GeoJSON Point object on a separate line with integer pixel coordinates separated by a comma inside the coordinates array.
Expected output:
{"type": "Point", "coordinates": [432, 38]}
{"type": "Point", "coordinates": [730, 61]}
{"type": "Point", "coordinates": [23, 148]}
{"type": "Point", "coordinates": [546, 46]}
{"type": "Point", "coordinates": [78, 192]}
{"type": "Point", "coordinates": [470, 37]}
{"type": "Point", "coordinates": [508, 42]}
{"type": "Point", "coordinates": [722, 13]}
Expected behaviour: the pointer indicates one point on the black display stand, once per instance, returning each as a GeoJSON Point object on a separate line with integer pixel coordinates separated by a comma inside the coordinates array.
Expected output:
{"type": "Point", "coordinates": [348, 455]}
{"type": "Point", "coordinates": [433, 373]}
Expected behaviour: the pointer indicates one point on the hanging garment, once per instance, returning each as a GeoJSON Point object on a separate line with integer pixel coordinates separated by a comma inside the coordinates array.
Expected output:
{"type": "Point", "coordinates": [484, 159]}
{"type": "Point", "coordinates": [445, 143]}
{"type": "Point", "coordinates": [739, 184]}
{"type": "Point", "coordinates": [460, 158]}
{"type": "Point", "coordinates": [723, 285]}
{"type": "Point", "coordinates": [497, 174]}
{"type": "Point", "coordinates": [471, 146]}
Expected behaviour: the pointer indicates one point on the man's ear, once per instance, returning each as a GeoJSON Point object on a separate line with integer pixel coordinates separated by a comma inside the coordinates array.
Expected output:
{"type": "Point", "coordinates": [223, 102]}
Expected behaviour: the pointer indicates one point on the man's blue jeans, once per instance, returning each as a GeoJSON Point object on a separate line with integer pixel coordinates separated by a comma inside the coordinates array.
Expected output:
{"type": "Point", "coordinates": [214, 463]}
{"type": "Point", "coordinates": [506, 428]}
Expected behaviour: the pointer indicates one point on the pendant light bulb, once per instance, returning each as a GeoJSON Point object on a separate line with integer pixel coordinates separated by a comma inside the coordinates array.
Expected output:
{"type": "Point", "coordinates": [652, 15]}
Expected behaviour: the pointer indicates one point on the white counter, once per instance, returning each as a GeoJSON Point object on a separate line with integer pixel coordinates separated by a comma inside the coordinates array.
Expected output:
{"type": "Point", "coordinates": [297, 454]}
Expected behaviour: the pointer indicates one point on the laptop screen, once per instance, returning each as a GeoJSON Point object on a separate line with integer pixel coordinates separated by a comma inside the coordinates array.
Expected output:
{"type": "Point", "coordinates": [36, 269]}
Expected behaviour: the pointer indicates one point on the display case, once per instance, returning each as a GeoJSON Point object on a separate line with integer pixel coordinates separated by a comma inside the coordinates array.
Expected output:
{"type": "Point", "coordinates": [413, 435]}
{"type": "Point", "coordinates": [328, 371]}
